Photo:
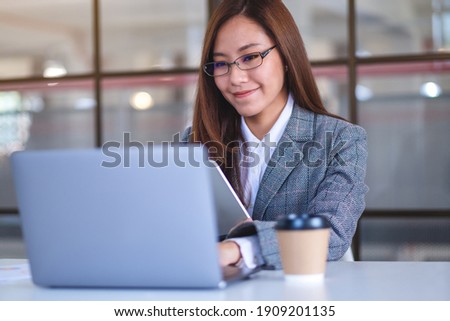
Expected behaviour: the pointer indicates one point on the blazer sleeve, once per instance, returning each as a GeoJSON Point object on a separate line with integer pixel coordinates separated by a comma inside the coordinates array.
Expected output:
{"type": "Point", "coordinates": [340, 197]}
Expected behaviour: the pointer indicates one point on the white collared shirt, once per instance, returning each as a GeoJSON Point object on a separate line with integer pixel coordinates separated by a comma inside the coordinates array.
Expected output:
{"type": "Point", "coordinates": [262, 150]}
{"type": "Point", "coordinates": [251, 176]}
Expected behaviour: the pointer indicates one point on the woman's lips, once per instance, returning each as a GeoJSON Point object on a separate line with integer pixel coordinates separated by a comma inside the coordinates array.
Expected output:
{"type": "Point", "coordinates": [244, 93]}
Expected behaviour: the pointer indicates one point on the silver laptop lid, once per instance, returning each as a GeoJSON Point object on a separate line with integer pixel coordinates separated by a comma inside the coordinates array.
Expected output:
{"type": "Point", "coordinates": [91, 219]}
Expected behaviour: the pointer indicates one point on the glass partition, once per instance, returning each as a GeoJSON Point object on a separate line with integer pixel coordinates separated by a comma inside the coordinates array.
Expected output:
{"type": "Point", "coordinates": [388, 27]}
{"type": "Point", "coordinates": [405, 239]}
{"type": "Point", "coordinates": [148, 109]}
{"type": "Point", "coordinates": [45, 38]}
{"type": "Point", "coordinates": [332, 82]}
{"type": "Point", "coordinates": [157, 34]}
{"type": "Point", "coordinates": [323, 26]}
{"type": "Point", "coordinates": [42, 116]}
{"type": "Point", "coordinates": [406, 113]}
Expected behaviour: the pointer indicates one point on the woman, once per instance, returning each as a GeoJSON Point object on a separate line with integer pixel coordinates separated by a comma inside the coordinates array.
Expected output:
{"type": "Point", "coordinates": [259, 112]}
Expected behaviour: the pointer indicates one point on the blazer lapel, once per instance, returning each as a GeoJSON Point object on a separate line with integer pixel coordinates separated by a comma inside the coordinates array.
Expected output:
{"type": "Point", "coordinates": [285, 158]}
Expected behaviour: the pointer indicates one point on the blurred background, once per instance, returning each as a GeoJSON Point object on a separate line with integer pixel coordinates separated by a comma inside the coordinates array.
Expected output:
{"type": "Point", "coordinates": [78, 73]}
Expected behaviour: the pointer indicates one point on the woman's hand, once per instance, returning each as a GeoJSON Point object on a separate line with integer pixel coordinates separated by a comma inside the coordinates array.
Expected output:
{"type": "Point", "coordinates": [229, 253]}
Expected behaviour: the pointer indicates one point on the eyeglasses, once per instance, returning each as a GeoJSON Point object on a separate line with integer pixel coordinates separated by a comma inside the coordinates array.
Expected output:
{"type": "Point", "coordinates": [245, 62]}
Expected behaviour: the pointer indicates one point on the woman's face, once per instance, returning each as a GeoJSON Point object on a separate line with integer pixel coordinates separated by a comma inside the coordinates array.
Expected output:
{"type": "Point", "coordinates": [257, 94]}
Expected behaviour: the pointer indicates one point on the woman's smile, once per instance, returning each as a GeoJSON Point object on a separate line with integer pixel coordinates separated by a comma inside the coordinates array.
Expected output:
{"type": "Point", "coordinates": [244, 93]}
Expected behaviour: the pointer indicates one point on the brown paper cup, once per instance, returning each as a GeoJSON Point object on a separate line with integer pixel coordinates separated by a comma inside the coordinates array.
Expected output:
{"type": "Point", "coordinates": [304, 252]}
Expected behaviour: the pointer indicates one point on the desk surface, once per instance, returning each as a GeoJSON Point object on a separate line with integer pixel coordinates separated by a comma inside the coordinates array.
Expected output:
{"type": "Point", "coordinates": [343, 281]}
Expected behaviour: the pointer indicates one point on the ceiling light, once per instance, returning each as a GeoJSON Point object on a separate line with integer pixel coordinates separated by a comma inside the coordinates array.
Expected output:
{"type": "Point", "coordinates": [85, 103]}
{"type": "Point", "coordinates": [53, 69]}
{"type": "Point", "coordinates": [430, 90]}
{"type": "Point", "coordinates": [363, 93]}
{"type": "Point", "coordinates": [141, 100]}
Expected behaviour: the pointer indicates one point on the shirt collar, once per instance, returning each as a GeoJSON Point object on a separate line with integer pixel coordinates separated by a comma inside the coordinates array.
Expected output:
{"type": "Point", "coordinates": [277, 129]}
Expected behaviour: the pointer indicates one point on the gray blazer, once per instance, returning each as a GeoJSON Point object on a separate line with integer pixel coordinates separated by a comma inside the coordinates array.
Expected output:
{"type": "Point", "coordinates": [318, 167]}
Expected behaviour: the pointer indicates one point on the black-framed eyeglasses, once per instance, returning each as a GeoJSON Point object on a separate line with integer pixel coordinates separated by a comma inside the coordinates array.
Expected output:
{"type": "Point", "coordinates": [245, 62]}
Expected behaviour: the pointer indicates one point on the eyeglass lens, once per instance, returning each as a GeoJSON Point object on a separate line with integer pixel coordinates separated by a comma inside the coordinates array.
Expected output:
{"type": "Point", "coordinates": [245, 62]}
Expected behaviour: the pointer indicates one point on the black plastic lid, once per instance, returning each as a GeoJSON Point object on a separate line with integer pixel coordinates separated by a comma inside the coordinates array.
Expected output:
{"type": "Point", "coordinates": [302, 222]}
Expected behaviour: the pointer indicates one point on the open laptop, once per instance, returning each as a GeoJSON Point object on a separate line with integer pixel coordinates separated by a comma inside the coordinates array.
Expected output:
{"type": "Point", "coordinates": [125, 218]}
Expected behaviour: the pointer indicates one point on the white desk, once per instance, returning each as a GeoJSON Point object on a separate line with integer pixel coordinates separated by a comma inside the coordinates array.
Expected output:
{"type": "Point", "coordinates": [343, 281]}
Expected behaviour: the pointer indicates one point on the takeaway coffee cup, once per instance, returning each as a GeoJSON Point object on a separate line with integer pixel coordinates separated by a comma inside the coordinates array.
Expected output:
{"type": "Point", "coordinates": [303, 242]}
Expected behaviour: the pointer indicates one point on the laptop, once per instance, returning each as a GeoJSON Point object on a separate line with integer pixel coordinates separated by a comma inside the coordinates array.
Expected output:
{"type": "Point", "coordinates": [125, 218]}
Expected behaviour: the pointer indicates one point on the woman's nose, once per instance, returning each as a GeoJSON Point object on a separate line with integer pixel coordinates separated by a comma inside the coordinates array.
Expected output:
{"type": "Point", "coordinates": [237, 75]}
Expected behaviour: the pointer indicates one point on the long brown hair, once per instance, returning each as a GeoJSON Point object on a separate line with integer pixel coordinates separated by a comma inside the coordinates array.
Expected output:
{"type": "Point", "coordinates": [216, 123]}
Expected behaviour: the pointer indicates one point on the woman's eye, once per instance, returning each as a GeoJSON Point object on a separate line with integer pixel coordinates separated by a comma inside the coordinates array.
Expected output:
{"type": "Point", "coordinates": [220, 64]}
{"type": "Point", "coordinates": [249, 57]}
